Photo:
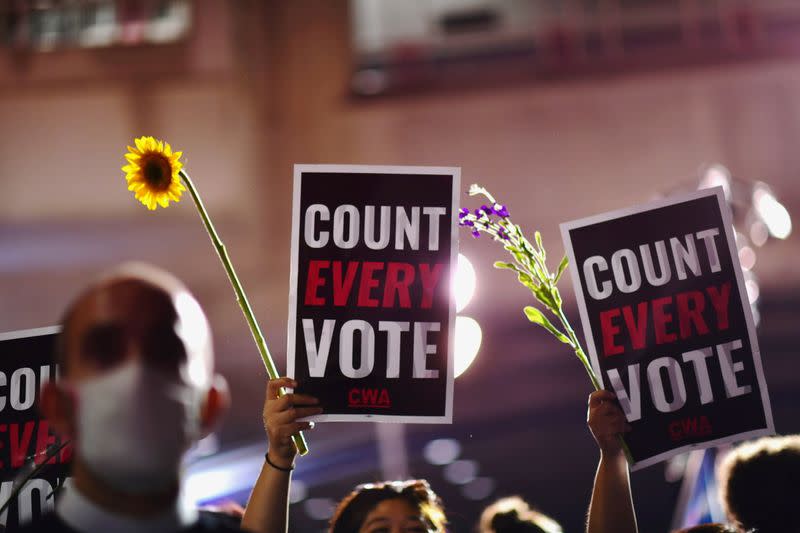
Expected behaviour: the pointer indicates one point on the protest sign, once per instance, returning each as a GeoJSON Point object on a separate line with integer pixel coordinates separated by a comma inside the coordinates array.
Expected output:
{"type": "Point", "coordinates": [668, 324]}
{"type": "Point", "coordinates": [371, 317]}
{"type": "Point", "coordinates": [27, 362]}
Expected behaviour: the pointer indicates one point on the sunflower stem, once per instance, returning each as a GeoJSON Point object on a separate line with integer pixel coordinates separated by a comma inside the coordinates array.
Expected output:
{"type": "Point", "coordinates": [299, 439]}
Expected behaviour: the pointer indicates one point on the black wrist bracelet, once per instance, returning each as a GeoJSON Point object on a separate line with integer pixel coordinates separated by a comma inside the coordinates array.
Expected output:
{"type": "Point", "coordinates": [276, 467]}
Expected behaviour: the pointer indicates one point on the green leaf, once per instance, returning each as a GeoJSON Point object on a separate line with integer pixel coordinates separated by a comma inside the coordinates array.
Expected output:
{"type": "Point", "coordinates": [544, 296]}
{"type": "Point", "coordinates": [504, 265]}
{"type": "Point", "coordinates": [557, 297]}
{"type": "Point", "coordinates": [561, 268]}
{"type": "Point", "coordinates": [526, 280]}
{"type": "Point", "coordinates": [537, 317]}
{"type": "Point", "coordinates": [538, 237]}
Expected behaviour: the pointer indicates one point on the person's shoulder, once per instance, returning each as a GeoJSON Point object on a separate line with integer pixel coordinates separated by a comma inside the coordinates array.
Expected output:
{"type": "Point", "coordinates": [213, 522]}
{"type": "Point", "coordinates": [49, 523]}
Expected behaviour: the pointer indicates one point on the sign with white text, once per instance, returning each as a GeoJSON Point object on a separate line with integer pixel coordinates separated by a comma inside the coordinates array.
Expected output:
{"type": "Point", "coordinates": [668, 324]}
{"type": "Point", "coordinates": [26, 363]}
{"type": "Point", "coordinates": [371, 317]}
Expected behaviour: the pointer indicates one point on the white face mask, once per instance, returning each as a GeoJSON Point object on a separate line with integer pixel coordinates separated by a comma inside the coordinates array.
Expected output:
{"type": "Point", "coordinates": [134, 425]}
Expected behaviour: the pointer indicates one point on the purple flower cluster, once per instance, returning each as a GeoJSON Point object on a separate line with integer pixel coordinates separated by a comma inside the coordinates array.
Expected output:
{"type": "Point", "coordinates": [483, 215]}
{"type": "Point", "coordinates": [464, 220]}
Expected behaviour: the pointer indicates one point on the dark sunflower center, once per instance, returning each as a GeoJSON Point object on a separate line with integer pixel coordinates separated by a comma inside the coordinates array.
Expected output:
{"type": "Point", "coordinates": [157, 172]}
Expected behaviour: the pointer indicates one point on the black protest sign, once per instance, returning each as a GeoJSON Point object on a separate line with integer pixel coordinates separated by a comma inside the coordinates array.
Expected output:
{"type": "Point", "coordinates": [371, 318]}
{"type": "Point", "coordinates": [27, 362]}
{"type": "Point", "coordinates": [668, 324]}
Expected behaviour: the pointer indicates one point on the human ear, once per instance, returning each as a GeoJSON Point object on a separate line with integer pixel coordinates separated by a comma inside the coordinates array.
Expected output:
{"type": "Point", "coordinates": [58, 407]}
{"type": "Point", "coordinates": [216, 404]}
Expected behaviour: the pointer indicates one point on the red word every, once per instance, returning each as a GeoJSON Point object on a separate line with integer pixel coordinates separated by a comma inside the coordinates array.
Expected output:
{"type": "Point", "coordinates": [334, 283]}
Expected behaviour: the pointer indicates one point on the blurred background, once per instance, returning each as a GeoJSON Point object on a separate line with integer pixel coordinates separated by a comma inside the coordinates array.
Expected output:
{"type": "Point", "coordinates": [562, 108]}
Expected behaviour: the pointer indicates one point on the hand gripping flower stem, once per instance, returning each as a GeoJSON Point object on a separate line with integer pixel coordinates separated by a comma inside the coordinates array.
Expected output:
{"type": "Point", "coordinates": [529, 263]}
{"type": "Point", "coordinates": [154, 173]}
{"type": "Point", "coordinates": [299, 439]}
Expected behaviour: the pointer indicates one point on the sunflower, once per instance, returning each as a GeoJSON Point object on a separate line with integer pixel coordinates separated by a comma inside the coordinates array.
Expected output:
{"type": "Point", "coordinates": [152, 172]}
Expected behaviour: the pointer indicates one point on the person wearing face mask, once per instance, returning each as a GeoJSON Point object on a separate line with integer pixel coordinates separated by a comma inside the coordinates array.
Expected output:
{"type": "Point", "coordinates": [137, 389]}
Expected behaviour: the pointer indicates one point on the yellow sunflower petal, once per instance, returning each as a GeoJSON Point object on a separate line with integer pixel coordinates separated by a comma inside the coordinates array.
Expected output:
{"type": "Point", "coordinates": [162, 184]}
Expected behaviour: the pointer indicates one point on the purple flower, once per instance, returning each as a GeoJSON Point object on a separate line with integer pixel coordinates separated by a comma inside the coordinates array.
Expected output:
{"type": "Point", "coordinates": [485, 209]}
{"type": "Point", "coordinates": [467, 222]}
{"type": "Point", "coordinates": [476, 233]}
{"type": "Point", "coordinates": [463, 212]}
{"type": "Point", "coordinates": [500, 210]}
{"type": "Point", "coordinates": [503, 234]}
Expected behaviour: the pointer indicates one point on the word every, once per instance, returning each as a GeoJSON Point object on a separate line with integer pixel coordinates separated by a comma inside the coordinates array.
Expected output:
{"type": "Point", "coordinates": [318, 352]}
{"type": "Point", "coordinates": [23, 439]}
{"type": "Point", "coordinates": [347, 229]}
{"type": "Point", "coordinates": [686, 309]}
{"type": "Point", "coordinates": [626, 268]}
{"type": "Point", "coordinates": [668, 369]}
{"type": "Point", "coordinates": [396, 278]}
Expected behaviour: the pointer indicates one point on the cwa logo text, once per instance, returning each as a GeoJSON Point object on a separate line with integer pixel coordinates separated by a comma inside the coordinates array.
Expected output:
{"type": "Point", "coordinates": [365, 397]}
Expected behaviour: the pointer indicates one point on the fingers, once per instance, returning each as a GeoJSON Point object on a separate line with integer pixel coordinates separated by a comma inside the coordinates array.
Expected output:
{"type": "Point", "coordinates": [599, 397]}
{"type": "Point", "coordinates": [291, 415]}
{"type": "Point", "coordinates": [293, 400]}
{"type": "Point", "coordinates": [274, 386]}
{"type": "Point", "coordinates": [287, 431]}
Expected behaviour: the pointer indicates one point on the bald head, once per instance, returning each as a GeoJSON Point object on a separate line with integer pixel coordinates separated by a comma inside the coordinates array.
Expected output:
{"type": "Point", "coordinates": [136, 312]}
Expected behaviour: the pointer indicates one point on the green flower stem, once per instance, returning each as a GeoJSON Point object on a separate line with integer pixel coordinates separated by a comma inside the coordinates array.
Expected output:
{"type": "Point", "coordinates": [576, 345]}
{"type": "Point", "coordinates": [299, 439]}
{"type": "Point", "coordinates": [529, 261]}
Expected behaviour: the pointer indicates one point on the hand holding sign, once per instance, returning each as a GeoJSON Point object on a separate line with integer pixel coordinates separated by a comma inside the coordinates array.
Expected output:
{"type": "Point", "coordinates": [281, 419]}
{"type": "Point", "coordinates": [667, 322]}
{"type": "Point", "coordinates": [606, 422]}
{"type": "Point", "coordinates": [371, 316]}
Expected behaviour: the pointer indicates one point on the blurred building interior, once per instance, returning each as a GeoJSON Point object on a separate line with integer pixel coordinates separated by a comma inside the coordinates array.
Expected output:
{"type": "Point", "coordinates": [563, 108]}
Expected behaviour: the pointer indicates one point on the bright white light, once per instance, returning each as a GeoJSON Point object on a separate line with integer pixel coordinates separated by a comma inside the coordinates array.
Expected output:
{"type": "Point", "coordinates": [442, 451]}
{"type": "Point", "coordinates": [753, 290]}
{"type": "Point", "coordinates": [461, 472]}
{"type": "Point", "coordinates": [463, 286]}
{"type": "Point", "coordinates": [772, 212]}
{"type": "Point", "coordinates": [717, 176]}
{"type": "Point", "coordinates": [468, 342]}
{"type": "Point", "coordinates": [756, 315]}
{"type": "Point", "coordinates": [747, 258]}
{"type": "Point", "coordinates": [193, 329]}
{"type": "Point", "coordinates": [759, 233]}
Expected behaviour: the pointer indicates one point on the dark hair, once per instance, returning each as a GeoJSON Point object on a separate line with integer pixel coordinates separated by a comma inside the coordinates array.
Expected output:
{"type": "Point", "coordinates": [354, 508]}
{"type": "Point", "coordinates": [514, 515]}
{"type": "Point", "coordinates": [759, 485]}
{"type": "Point", "coordinates": [708, 528]}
